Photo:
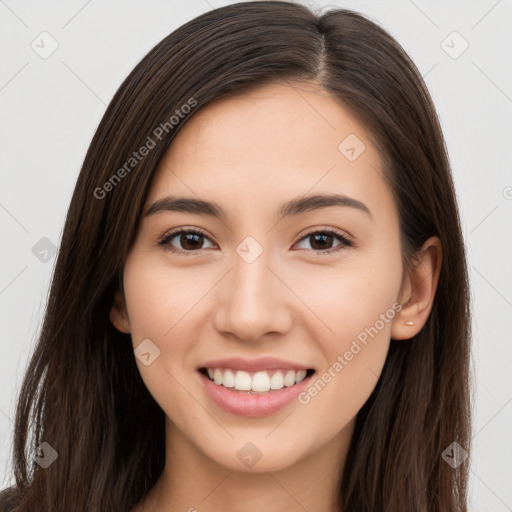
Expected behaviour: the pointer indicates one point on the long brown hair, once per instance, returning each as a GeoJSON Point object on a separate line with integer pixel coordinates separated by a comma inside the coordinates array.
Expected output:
{"type": "Point", "coordinates": [82, 392]}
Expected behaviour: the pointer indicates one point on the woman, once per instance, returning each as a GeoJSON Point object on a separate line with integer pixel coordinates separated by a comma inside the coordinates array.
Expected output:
{"type": "Point", "coordinates": [261, 295]}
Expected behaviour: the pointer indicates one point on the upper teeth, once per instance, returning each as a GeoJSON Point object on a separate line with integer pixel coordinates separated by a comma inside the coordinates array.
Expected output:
{"type": "Point", "coordinates": [259, 381]}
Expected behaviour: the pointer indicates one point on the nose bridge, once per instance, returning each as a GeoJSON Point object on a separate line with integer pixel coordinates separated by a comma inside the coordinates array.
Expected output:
{"type": "Point", "coordinates": [251, 276]}
{"type": "Point", "coordinates": [251, 279]}
{"type": "Point", "coordinates": [252, 301]}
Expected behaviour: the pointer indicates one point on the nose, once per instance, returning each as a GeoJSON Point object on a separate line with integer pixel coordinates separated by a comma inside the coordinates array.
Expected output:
{"type": "Point", "coordinates": [253, 300]}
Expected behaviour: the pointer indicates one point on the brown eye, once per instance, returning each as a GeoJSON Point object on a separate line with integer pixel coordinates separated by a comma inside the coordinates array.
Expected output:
{"type": "Point", "coordinates": [188, 241]}
{"type": "Point", "coordinates": [322, 241]}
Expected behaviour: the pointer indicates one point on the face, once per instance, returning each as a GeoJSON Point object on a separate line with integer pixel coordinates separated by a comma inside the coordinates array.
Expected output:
{"type": "Point", "coordinates": [256, 296]}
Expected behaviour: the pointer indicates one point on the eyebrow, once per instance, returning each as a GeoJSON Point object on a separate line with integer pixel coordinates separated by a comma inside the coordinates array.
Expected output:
{"type": "Point", "coordinates": [293, 207]}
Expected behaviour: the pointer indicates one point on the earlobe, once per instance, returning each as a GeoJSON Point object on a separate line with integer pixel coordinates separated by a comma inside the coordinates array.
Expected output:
{"type": "Point", "coordinates": [118, 314]}
{"type": "Point", "coordinates": [419, 291]}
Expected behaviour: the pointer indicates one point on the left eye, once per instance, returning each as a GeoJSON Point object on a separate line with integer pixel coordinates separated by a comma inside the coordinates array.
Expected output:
{"type": "Point", "coordinates": [192, 241]}
{"type": "Point", "coordinates": [323, 238]}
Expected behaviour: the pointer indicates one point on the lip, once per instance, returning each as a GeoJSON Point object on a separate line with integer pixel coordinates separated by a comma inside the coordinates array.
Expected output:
{"type": "Point", "coordinates": [252, 405]}
{"type": "Point", "coordinates": [254, 365]}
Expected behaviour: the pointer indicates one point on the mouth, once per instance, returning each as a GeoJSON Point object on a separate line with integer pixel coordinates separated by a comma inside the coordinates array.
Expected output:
{"type": "Point", "coordinates": [256, 383]}
{"type": "Point", "coordinates": [254, 387]}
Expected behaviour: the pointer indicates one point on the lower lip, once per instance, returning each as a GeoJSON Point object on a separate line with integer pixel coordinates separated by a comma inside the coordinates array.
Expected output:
{"type": "Point", "coordinates": [251, 405]}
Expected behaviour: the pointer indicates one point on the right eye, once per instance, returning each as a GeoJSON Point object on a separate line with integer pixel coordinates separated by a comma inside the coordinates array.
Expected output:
{"type": "Point", "coordinates": [190, 240]}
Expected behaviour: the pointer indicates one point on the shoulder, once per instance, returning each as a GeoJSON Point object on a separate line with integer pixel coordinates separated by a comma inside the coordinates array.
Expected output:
{"type": "Point", "coordinates": [9, 499]}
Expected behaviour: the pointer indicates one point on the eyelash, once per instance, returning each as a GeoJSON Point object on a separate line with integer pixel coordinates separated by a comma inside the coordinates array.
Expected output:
{"type": "Point", "coordinates": [165, 240]}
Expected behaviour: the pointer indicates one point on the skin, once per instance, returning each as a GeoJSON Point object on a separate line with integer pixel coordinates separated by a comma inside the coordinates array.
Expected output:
{"type": "Point", "coordinates": [250, 153]}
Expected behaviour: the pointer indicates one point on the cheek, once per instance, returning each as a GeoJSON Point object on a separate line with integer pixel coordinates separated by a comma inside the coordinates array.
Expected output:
{"type": "Point", "coordinates": [158, 299]}
{"type": "Point", "coordinates": [358, 304]}
{"type": "Point", "coordinates": [351, 299]}
{"type": "Point", "coordinates": [160, 308]}
{"type": "Point", "coordinates": [159, 303]}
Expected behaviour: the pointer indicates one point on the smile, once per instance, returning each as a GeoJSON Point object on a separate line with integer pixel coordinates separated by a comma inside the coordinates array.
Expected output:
{"type": "Point", "coordinates": [253, 387]}
{"type": "Point", "coordinates": [255, 382]}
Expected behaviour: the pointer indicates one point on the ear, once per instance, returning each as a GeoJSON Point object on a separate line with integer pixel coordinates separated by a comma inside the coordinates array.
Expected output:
{"type": "Point", "coordinates": [418, 291]}
{"type": "Point", "coordinates": [119, 315]}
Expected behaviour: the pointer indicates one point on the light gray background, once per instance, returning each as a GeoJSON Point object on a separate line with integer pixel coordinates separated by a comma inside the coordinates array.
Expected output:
{"type": "Point", "coordinates": [50, 109]}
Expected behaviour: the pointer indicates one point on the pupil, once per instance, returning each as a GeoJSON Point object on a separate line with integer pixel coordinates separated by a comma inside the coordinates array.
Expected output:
{"type": "Point", "coordinates": [322, 238]}
{"type": "Point", "coordinates": [185, 239]}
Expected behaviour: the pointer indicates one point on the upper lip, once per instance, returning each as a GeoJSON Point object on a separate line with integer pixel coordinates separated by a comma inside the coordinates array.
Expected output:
{"type": "Point", "coordinates": [254, 365]}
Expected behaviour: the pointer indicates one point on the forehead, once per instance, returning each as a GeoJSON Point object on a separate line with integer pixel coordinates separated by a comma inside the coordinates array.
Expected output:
{"type": "Point", "coordinates": [272, 143]}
